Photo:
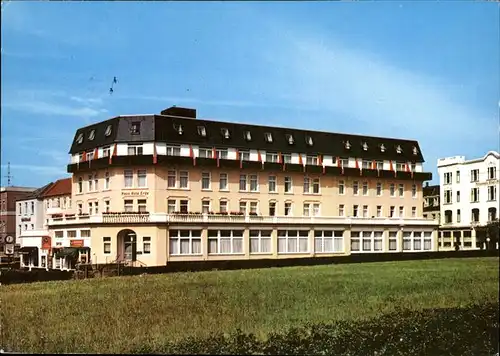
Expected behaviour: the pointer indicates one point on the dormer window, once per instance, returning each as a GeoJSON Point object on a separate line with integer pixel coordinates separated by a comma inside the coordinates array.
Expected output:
{"type": "Point", "coordinates": [269, 137]}
{"type": "Point", "coordinates": [309, 140]}
{"type": "Point", "coordinates": [398, 149]}
{"type": "Point", "coordinates": [202, 131]}
{"type": "Point", "coordinates": [79, 139]}
{"type": "Point", "coordinates": [248, 136]}
{"type": "Point", "coordinates": [382, 148]}
{"type": "Point", "coordinates": [415, 150]}
{"type": "Point", "coordinates": [135, 128]}
{"type": "Point", "coordinates": [290, 139]}
{"type": "Point", "coordinates": [365, 146]}
{"type": "Point", "coordinates": [108, 131]}
{"type": "Point", "coordinates": [179, 129]}
{"type": "Point", "coordinates": [225, 133]}
{"type": "Point", "coordinates": [347, 145]}
{"type": "Point", "coordinates": [92, 135]}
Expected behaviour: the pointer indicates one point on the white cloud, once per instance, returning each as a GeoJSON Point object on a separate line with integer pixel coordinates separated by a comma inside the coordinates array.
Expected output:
{"type": "Point", "coordinates": [42, 170]}
{"type": "Point", "coordinates": [45, 108]}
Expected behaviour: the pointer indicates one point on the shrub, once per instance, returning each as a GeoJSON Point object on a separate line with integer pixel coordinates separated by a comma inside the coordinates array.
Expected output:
{"type": "Point", "coordinates": [459, 331]}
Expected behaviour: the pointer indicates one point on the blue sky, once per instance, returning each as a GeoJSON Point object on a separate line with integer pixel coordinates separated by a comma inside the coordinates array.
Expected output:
{"type": "Point", "coordinates": [420, 70]}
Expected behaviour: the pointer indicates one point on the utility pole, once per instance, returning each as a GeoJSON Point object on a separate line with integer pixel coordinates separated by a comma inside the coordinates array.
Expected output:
{"type": "Point", "coordinates": [8, 176]}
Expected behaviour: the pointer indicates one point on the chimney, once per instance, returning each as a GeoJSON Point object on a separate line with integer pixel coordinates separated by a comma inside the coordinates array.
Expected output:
{"type": "Point", "coordinates": [180, 112]}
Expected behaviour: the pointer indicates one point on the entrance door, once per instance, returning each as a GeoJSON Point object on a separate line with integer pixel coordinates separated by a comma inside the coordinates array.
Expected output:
{"type": "Point", "coordinates": [130, 244]}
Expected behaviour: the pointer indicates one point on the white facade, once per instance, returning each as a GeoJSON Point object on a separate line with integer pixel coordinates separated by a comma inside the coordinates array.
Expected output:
{"type": "Point", "coordinates": [30, 216]}
{"type": "Point", "coordinates": [469, 190]}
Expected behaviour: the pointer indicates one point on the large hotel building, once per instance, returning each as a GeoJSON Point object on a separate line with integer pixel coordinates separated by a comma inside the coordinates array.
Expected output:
{"type": "Point", "coordinates": [152, 189]}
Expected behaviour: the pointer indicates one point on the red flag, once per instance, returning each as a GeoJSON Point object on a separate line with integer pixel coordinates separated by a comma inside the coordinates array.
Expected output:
{"type": "Point", "coordinates": [356, 162]}
{"type": "Point", "coordinates": [391, 167]}
{"type": "Point", "coordinates": [320, 162]}
{"type": "Point", "coordinates": [374, 165]}
{"type": "Point", "coordinates": [84, 156]}
{"type": "Point", "coordinates": [214, 153]}
{"type": "Point", "coordinates": [340, 165]}
{"type": "Point", "coordinates": [301, 162]}
{"type": "Point", "coordinates": [112, 154]}
{"type": "Point", "coordinates": [216, 156]}
{"type": "Point", "coordinates": [96, 153]}
{"type": "Point", "coordinates": [238, 157]}
{"type": "Point", "coordinates": [155, 154]}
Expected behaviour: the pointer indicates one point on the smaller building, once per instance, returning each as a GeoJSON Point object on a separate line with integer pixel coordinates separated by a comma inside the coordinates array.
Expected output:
{"type": "Point", "coordinates": [431, 202]}
{"type": "Point", "coordinates": [31, 227]}
{"type": "Point", "coordinates": [468, 198]}
{"type": "Point", "coordinates": [8, 197]}
{"type": "Point", "coordinates": [40, 246]}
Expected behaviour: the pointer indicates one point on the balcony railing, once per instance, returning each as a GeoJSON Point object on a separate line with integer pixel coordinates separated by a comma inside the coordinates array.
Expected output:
{"type": "Point", "coordinates": [134, 218]}
{"type": "Point", "coordinates": [125, 217]}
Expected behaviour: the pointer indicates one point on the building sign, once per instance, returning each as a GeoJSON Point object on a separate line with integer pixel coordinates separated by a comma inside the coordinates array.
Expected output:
{"type": "Point", "coordinates": [135, 193]}
{"type": "Point", "coordinates": [46, 243]}
{"type": "Point", "coordinates": [76, 243]}
{"type": "Point", "coordinates": [489, 182]}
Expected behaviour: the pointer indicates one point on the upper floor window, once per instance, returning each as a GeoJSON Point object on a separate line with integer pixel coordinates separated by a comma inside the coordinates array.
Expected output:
{"type": "Point", "coordinates": [379, 189]}
{"type": "Point", "coordinates": [474, 195]}
{"type": "Point", "coordinates": [414, 190]}
{"type": "Point", "coordinates": [311, 160]}
{"type": "Point", "coordinates": [105, 151]}
{"type": "Point", "coordinates": [492, 193]}
{"type": "Point", "coordinates": [174, 151]}
{"type": "Point", "coordinates": [204, 152]}
{"type": "Point", "coordinates": [134, 150]}
{"type": "Point", "coordinates": [474, 175]}
{"type": "Point", "coordinates": [447, 177]}
{"type": "Point", "coordinates": [448, 196]}
{"type": "Point", "coordinates": [287, 158]}
{"type": "Point", "coordinates": [492, 172]}
{"type": "Point", "coordinates": [222, 153]}
{"type": "Point", "coordinates": [244, 155]}
{"type": "Point", "coordinates": [106, 180]}
{"type": "Point", "coordinates": [223, 181]}
{"type": "Point", "coordinates": [272, 157]}
{"type": "Point", "coordinates": [80, 185]}
{"type": "Point", "coordinates": [288, 184]}
{"type": "Point", "coordinates": [141, 178]}
{"type": "Point", "coordinates": [457, 175]}
{"type": "Point", "coordinates": [129, 178]}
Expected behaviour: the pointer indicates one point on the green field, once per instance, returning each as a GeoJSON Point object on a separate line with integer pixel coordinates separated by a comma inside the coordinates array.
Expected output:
{"type": "Point", "coordinates": [120, 314]}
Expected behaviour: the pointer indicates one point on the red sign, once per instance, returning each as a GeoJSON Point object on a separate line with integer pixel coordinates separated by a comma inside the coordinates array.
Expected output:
{"type": "Point", "coordinates": [46, 243]}
{"type": "Point", "coordinates": [76, 243]}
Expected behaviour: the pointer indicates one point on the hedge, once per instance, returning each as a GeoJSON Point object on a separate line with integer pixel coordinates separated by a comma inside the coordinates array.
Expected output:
{"type": "Point", "coordinates": [471, 330]}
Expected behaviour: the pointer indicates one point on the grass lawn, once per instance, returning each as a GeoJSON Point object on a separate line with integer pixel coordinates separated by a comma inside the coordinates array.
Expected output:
{"type": "Point", "coordinates": [116, 314]}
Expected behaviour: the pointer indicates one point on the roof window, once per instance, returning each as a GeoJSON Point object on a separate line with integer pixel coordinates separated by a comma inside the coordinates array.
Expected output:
{"type": "Point", "coordinates": [290, 139]}
{"type": "Point", "coordinates": [108, 131]}
{"type": "Point", "coordinates": [415, 150]}
{"type": "Point", "coordinates": [225, 132]}
{"type": "Point", "coordinates": [347, 145]}
{"type": "Point", "coordinates": [269, 137]}
{"type": "Point", "coordinates": [399, 149]}
{"type": "Point", "coordinates": [309, 140]}
{"type": "Point", "coordinates": [91, 135]}
{"type": "Point", "coordinates": [178, 128]}
{"type": "Point", "coordinates": [248, 136]}
{"type": "Point", "coordinates": [365, 146]}
{"type": "Point", "coordinates": [202, 131]}
{"type": "Point", "coordinates": [382, 148]}
{"type": "Point", "coordinates": [79, 139]}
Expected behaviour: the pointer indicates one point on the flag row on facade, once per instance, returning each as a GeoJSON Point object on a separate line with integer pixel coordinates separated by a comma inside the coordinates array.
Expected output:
{"type": "Point", "coordinates": [216, 156]}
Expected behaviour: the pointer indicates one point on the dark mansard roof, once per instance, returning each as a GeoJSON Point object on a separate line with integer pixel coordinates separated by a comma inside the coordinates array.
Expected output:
{"type": "Point", "coordinates": [179, 125]}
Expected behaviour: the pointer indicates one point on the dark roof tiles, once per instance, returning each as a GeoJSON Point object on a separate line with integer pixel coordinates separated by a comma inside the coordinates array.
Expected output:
{"type": "Point", "coordinates": [163, 128]}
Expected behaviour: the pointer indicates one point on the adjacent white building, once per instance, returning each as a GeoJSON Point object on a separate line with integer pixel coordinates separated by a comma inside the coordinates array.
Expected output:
{"type": "Point", "coordinates": [468, 197]}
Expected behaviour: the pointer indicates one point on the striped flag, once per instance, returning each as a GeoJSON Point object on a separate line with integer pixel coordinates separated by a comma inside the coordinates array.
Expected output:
{"type": "Point", "coordinates": [114, 153]}
{"type": "Point", "coordinates": [155, 154]}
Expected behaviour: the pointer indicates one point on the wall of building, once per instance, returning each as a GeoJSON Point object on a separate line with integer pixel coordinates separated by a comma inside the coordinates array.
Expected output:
{"type": "Point", "coordinates": [465, 185]}
{"type": "Point", "coordinates": [157, 192]}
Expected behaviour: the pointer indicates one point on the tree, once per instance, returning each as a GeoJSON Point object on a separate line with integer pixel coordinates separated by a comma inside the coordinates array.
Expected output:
{"type": "Point", "coordinates": [488, 234]}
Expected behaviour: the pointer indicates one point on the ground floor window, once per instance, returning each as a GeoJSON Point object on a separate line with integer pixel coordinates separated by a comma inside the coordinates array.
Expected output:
{"type": "Point", "coordinates": [417, 240]}
{"type": "Point", "coordinates": [393, 240]}
{"type": "Point", "coordinates": [328, 241]}
{"type": "Point", "coordinates": [225, 241]}
{"type": "Point", "coordinates": [293, 241]}
{"type": "Point", "coordinates": [184, 242]}
{"type": "Point", "coordinates": [367, 241]}
{"type": "Point", "coordinates": [260, 241]}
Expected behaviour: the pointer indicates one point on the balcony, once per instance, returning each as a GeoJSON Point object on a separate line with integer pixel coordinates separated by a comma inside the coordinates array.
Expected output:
{"type": "Point", "coordinates": [198, 218]}
{"type": "Point", "coordinates": [121, 218]}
